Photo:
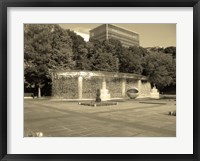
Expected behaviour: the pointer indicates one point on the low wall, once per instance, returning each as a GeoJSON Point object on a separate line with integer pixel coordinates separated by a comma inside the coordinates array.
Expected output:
{"type": "Point", "coordinates": [67, 87]}
{"type": "Point", "coordinates": [90, 87]}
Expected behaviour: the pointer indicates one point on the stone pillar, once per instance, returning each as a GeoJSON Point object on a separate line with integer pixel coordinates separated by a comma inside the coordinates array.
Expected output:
{"type": "Point", "coordinates": [123, 87]}
{"type": "Point", "coordinates": [139, 82]}
{"type": "Point", "coordinates": [80, 87]}
{"type": "Point", "coordinates": [104, 83]}
{"type": "Point", "coordinates": [39, 92]}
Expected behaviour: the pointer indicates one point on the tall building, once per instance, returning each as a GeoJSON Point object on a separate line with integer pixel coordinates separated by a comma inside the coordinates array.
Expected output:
{"type": "Point", "coordinates": [108, 31]}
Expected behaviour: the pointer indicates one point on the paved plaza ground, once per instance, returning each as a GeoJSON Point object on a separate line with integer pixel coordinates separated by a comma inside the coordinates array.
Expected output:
{"type": "Point", "coordinates": [130, 118]}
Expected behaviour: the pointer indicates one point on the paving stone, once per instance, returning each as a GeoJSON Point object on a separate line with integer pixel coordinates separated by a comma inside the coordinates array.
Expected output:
{"type": "Point", "coordinates": [128, 119]}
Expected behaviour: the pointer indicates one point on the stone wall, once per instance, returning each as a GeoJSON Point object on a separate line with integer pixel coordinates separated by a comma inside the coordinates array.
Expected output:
{"type": "Point", "coordinates": [145, 89]}
{"type": "Point", "coordinates": [114, 85]}
{"type": "Point", "coordinates": [90, 87]}
{"type": "Point", "coordinates": [67, 87]}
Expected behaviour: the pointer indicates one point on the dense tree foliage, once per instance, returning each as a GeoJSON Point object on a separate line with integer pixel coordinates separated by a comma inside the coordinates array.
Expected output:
{"type": "Point", "coordinates": [103, 56]}
{"type": "Point", "coordinates": [50, 47]}
{"type": "Point", "coordinates": [45, 47]}
{"type": "Point", "coordinates": [80, 51]}
{"type": "Point", "coordinates": [159, 68]}
{"type": "Point", "coordinates": [131, 60]}
{"type": "Point", "coordinates": [170, 50]}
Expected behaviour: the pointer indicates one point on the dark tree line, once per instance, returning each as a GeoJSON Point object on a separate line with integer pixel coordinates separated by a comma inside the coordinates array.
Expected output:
{"type": "Point", "coordinates": [52, 47]}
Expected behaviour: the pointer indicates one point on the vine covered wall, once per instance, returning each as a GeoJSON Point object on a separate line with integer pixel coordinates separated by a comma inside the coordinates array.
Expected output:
{"type": "Point", "coordinates": [114, 85]}
{"type": "Point", "coordinates": [90, 87]}
{"type": "Point", "coordinates": [131, 83]}
{"type": "Point", "coordinates": [67, 87]}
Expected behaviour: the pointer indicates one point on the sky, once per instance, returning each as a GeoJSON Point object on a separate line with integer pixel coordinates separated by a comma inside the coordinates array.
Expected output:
{"type": "Point", "coordinates": [151, 35]}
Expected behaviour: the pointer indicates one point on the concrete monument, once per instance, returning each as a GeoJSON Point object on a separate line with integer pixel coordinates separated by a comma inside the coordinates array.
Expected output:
{"type": "Point", "coordinates": [154, 93]}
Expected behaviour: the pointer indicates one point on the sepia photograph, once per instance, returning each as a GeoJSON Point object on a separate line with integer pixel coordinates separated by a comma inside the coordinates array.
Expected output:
{"type": "Point", "coordinates": [100, 80]}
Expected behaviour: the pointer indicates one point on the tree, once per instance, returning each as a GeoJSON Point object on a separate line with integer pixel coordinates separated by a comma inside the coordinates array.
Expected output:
{"type": "Point", "coordinates": [131, 59]}
{"type": "Point", "coordinates": [102, 56]}
{"type": "Point", "coordinates": [46, 47]}
{"type": "Point", "coordinates": [83, 59]}
{"type": "Point", "coordinates": [105, 62]}
{"type": "Point", "coordinates": [171, 50]}
{"type": "Point", "coordinates": [113, 46]}
{"type": "Point", "coordinates": [36, 77]}
{"type": "Point", "coordinates": [159, 68]}
{"type": "Point", "coordinates": [62, 52]}
{"type": "Point", "coordinates": [156, 49]}
{"type": "Point", "coordinates": [79, 51]}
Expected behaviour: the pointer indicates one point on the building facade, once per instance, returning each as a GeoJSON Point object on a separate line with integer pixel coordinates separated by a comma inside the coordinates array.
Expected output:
{"type": "Point", "coordinates": [107, 31]}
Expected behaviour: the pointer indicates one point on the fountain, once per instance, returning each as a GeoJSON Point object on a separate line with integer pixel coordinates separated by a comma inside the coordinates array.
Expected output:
{"type": "Point", "coordinates": [133, 93]}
